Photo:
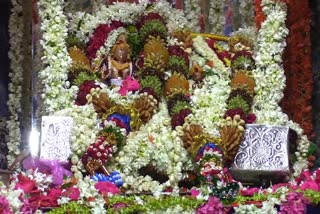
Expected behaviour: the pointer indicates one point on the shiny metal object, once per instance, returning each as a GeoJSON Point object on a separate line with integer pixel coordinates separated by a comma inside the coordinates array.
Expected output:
{"type": "Point", "coordinates": [263, 155]}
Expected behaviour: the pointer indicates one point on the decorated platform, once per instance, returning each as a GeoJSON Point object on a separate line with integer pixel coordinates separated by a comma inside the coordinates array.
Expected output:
{"type": "Point", "coordinates": [141, 114]}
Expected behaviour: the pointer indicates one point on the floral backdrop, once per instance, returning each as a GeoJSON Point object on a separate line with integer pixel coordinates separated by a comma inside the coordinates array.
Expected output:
{"type": "Point", "coordinates": [145, 142]}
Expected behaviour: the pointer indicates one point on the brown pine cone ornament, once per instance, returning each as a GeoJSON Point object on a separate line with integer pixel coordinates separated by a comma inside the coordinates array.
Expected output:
{"type": "Point", "coordinates": [102, 103]}
{"type": "Point", "coordinates": [231, 136]}
{"type": "Point", "coordinates": [189, 137]}
{"type": "Point", "coordinates": [146, 106]}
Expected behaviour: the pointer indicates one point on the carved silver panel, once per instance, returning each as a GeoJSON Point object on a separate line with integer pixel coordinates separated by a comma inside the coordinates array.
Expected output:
{"type": "Point", "coordinates": [55, 137]}
{"type": "Point", "coordinates": [263, 152]}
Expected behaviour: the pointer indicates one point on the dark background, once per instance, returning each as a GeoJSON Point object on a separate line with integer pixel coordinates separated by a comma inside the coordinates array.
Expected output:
{"type": "Point", "coordinates": [4, 65]}
{"type": "Point", "coordinates": [4, 61]}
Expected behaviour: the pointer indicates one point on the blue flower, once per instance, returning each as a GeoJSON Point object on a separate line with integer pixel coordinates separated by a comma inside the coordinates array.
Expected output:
{"type": "Point", "coordinates": [122, 120]}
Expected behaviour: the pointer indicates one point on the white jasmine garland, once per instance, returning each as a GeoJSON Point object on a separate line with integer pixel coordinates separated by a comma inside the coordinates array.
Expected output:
{"type": "Point", "coordinates": [156, 144]}
{"type": "Point", "coordinates": [209, 101]}
{"type": "Point", "coordinates": [246, 11]}
{"type": "Point", "coordinates": [175, 19]}
{"type": "Point", "coordinates": [16, 27]}
{"type": "Point", "coordinates": [56, 58]}
{"type": "Point", "coordinates": [96, 5]}
{"type": "Point", "coordinates": [270, 78]}
{"type": "Point", "coordinates": [88, 190]}
{"type": "Point", "coordinates": [75, 21]}
{"type": "Point", "coordinates": [125, 12]}
{"type": "Point", "coordinates": [192, 11]}
{"type": "Point", "coordinates": [216, 18]}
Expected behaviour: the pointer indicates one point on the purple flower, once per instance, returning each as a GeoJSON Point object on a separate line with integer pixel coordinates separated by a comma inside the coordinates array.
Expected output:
{"type": "Point", "coordinates": [296, 204]}
{"type": "Point", "coordinates": [214, 205]}
{"type": "Point", "coordinates": [4, 205]}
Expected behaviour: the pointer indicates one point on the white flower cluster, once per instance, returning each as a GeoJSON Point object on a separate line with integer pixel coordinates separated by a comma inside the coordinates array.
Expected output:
{"type": "Point", "coordinates": [125, 12]}
{"type": "Point", "coordinates": [209, 102]}
{"type": "Point", "coordinates": [128, 13]}
{"type": "Point", "coordinates": [270, 78]}
{"type": "Point", "coordinates": [109, 43]}
{"type": "Point", "coordinates": [192, 11]}
{"type": "Point", "coordinates": [216, 18]}
{"type": "Point", "coordinates": [16, 27]}
{"type": "Point", "coordinates": [43, 181]}
{"type": "Point", "coordinates": [246, 11]}
{"type": "Point", "coordinates": [96, 4]}
{"type": "Point", "coordinates": [158, 145]}
{"type": "Point", "coordinates": [84, 132]}
{"type": "Point", "coordinates": [175, 18]}
{"type": "Point", "coordinates": [88, 191]}
{"type": "Point", "coordinates": [75, 21]}
{"type": "Point", "coordinates": [268, 206]}
{"type": "Point", "coordinates": [12, 195]}
{"type": "Point", "coordinates": [56, 58]}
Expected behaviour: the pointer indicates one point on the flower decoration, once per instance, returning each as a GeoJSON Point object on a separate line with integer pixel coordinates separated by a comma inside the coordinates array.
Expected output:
{"type": "Point", "coordinates": [99, 37]}
{"type": "Point", "coordinates": [129, 85]}
{"type": "Point", "coordinates": [122, 121]}
{"type": "Point", "coordinates": [84, 90]}
{"type": "Point", "coordinates": [114, 177]}
{"type": "Point", "coordinates": [105, 188]}
{"type": "Point", "coordinates": [142, 130]}
{"type": "Point", "coordinates": [5, 207]}
{"type": "Point", "coordinates": [213, 205]}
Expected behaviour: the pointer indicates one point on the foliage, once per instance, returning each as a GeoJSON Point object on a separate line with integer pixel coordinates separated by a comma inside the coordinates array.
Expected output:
{"type": "Point", "coordinates": [152, 82]}
{"type": "Point", "coordinates": [83, 76]}
{"type": "Point", "coordinates": [72, 207]}
{"type": "Point", "coordinates": [134, 41]}
{"type": "Point", "coordinates": [179, 105]}
{"type": "Point", "coordinates": [178, 64]}
{"type": "Point", "coordinates": [154, 28]}
{"type": "Point", "coordinates": [143, 204]}
{"type": "Point", "coordinates": [238, 102]}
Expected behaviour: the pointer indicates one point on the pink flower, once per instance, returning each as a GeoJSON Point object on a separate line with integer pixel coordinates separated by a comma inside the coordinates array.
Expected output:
{"type": "Point", "coordinates": [296, 204]}
{"type": "Point", "coordinates": [310, 185]}
{"type": "Point", "coordinates": [106, 187]}
{"type": "Point", "coordinates": [55, 193]}
{"type": "Point", "coordinates": [4, 206]}
{"type": "Point", "coordinates": [26, 184]}
{"type": "Point", "coordinates": [72, 192]}
{"type": "Point", "coordinates": [317, 176]}
{"type": "Point", "coordinates": [213, 206]}
{"type": "Point", "coordinates": [277, 186]}
{"type": "Point", "coordinates": [194, 192]}
{"type": "Point", "coordinates": [249, 191]}
{"type": "Point", "coordinates": [129, 84]}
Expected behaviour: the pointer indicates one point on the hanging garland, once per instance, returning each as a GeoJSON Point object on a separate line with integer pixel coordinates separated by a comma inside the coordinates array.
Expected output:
{"type": "Point", "coordinates": [270, 77]}
{"type": "Point", "coordinates": [15, 86]}
{"type": "Point", "coordinates": [297, 65]}
{"type": "Point", "coordinates": [216, 17]}
{"type": "Point", "coordinates": [192, 12]}
{"type": "Point", "coordinates": [55, 94]}
{"type": "Point", "coordinates": [246, 10]}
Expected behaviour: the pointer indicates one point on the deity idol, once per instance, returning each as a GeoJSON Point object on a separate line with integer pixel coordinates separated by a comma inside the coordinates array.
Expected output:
{"type": "Point", "coordinates": [119, 65]}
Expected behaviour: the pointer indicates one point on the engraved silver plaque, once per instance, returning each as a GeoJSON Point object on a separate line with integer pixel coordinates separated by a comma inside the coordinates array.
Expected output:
{"type": "Point", "coordinates": [55, 137]}
{"type": "Point", "coordinates": [263, 154]}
